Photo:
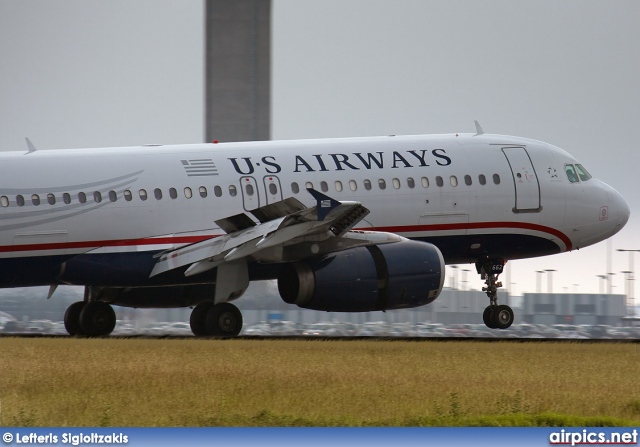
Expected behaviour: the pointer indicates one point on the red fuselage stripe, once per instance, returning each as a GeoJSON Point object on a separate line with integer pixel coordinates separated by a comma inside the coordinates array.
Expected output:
{"type": "Point", "coordinates": [479, 226]}
{"type": "Point", "coordinates": [183, 240]}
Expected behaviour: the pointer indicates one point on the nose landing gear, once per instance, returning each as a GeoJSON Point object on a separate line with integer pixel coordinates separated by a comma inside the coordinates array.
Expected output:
{"type": "Point", "coordinates": [494, 316]}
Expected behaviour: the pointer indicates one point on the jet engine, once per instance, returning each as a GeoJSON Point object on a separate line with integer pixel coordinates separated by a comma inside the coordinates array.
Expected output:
{"type": "Point", "coordinates": [397, 275]}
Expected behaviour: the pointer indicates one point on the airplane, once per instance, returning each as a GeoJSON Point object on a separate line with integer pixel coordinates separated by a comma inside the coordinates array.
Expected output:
{"type": "Point", "coordinates": [343, 225]}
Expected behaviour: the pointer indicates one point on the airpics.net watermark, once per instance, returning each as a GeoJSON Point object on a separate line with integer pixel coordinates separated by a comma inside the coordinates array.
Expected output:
{"type": "Point", "coordinates": [64, 438]}
{"type": "Point", "coordinates": [591, 437]}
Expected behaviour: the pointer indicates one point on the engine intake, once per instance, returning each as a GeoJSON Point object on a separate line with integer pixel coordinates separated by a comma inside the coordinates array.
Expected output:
{"type": "Point", "coordinates": [398, 275]}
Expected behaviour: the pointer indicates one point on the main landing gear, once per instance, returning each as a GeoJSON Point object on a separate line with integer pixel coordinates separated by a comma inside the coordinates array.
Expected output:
{"type": "Point", "coordinates": [219, 320]}
{"type": "Point", "coordinates": [91, 318]}
{"type": "Point", "coordinates": [494, 316]}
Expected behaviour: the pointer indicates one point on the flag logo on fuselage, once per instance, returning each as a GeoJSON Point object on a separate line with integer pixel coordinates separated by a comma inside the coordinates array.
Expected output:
{"type": "Point", "coordinates": [199, 167]}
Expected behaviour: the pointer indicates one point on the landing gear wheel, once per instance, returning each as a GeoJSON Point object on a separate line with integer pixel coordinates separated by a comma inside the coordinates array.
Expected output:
{"type": "Point", "coordinates": [487, 317]}
{"type": "Point", "coordinates": [224, 320]}
{"type": "Point", "coordinates": [72, 318]}
{"type": "Point", "coordinates": [97, 319]}
{"type": "Point", "coordinates": [494, 316]}
{"type": "Point", "coordinates": [502, 316]}
{"type": "Point", "coordinates": [198, 319]}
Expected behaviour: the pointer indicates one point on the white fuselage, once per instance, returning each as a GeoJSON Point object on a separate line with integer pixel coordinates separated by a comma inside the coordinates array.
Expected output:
{"type": "Point", "coordinates": [469, 195]}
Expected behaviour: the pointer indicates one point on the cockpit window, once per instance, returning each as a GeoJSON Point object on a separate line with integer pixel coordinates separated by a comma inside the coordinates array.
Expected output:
{"type": "Point", "coordinates": [571, 173]}
{"type": "Point", "coordinates": [582, 173]}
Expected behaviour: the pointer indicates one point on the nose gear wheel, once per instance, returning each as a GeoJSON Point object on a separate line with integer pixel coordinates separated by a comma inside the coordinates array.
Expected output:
{"type": "Point", "coordinates": [494, 316]}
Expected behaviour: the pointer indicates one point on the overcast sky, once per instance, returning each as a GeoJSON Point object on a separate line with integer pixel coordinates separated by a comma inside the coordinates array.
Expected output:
{"type": "Point", "coordinates": [88, 73]}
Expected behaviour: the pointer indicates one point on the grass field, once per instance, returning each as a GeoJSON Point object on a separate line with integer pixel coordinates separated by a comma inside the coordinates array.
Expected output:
{"type": "Point", "coordinates": [190, 382]}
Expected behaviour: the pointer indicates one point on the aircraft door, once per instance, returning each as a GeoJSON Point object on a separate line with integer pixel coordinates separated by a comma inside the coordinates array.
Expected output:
{"type": "Point", "coordinates": [272, 188]}
{"type": "Point", "coordinates": [525, 180]}
{"type": "Point", "coordinates": [250, 193]}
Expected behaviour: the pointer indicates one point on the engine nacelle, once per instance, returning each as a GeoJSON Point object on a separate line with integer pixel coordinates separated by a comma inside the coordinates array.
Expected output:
{"type": "Point", "coordinates": [398, 275]}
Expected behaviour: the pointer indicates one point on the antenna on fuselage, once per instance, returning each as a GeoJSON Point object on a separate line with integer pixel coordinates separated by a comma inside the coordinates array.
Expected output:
{"type": "Point", "coordinates": [479, 130]}
{"type": "Point", "coordinates": [31, 147]}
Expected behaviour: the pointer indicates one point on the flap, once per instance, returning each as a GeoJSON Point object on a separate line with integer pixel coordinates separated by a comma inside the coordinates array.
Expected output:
{"type": "Point", "coordinates": [290, 221]}
{"type": "Point", "coordinates": [279, 209]}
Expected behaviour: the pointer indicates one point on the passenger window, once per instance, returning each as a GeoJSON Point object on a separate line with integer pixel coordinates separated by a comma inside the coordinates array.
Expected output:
{"type": "Point", "coordinates": [66, 198]}
{"type": "Point", "coordinates": [295, 188]}
{"type": "Point", "coordinates": [97, 197]}
{"type": "Point", "coordinates": [338, 185]}
{"type": "Point", "coordinates": [583, 173]}
{"type": "Point", "coordinates": [127, 195]}
{"type": "Point", "coordinates": [4, 201]}
{"type": "Point", "coordinates": [143, 194]}
{"type": "Point", "coordinates": [482, 179]}
{"type": "Point", "coordinates": [410, 183]}
{"type": "Point", "coordinates": [353, 185]}
{"type": "Point", "coordinates": [248, 187]}
{"type": "Point", "coordinates": [382, 184]}
{"type": "Point", "coordinates": [308, 185]}
{"type": "Point", "coordinates": [173, 193]}
{"type": "Point", "coordinates": [203, 191]}
{"type": "Point", "coordinates": [51, 199]}
{"type": "Point", "coordinates": [439, 181]}
{"type": "Point", "coordinates": [35, 199]}
{"type": "Point", "coordinates": [19, 200]}
{"type": "Point", "coordinates": [188, 193]}
{"type": "Point", "coordinates": [273, 189]}
{"type": "Point", "coordinates": [396, 183]}
{"type": "Point", "coordinates": [217, 191]}
{"type": "Point", "coordinates": [453, 180]}
{"type": "Point", "coordinates": [571, 173]}
{"type": "Point", "coordinates": [233, 191]}
{"type": "Point", "coordinates": [113, 196]}
{"type": "Point", "coordinates": [323, 186]}
{"type": "Point", "coordinates": [496, 179]}
{"type": "Point", "coordinates": [425, 182]}
{"type": "Point", "coordinates": [82, 197]}
{"type": "Point", "coordinates": [367, 184]}
{"type": "Point", "coordinates": [467, 180]}
{"type": "Point", "coordinates": [157, 193]}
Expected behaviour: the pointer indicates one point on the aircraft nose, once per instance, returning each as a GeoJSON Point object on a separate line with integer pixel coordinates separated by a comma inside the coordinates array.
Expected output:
{"type": "Point", "coordinates": [625, 212]}
{"type": "Point", "coordinates": [622, 207]}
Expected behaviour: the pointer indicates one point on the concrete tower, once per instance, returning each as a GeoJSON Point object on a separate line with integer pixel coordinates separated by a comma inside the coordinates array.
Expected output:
{"type": "Point", "coordinates": [237, 70]}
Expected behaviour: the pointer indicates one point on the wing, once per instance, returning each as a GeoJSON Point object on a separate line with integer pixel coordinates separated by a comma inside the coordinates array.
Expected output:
{"type": "Point", "coordinates": [286, 231]}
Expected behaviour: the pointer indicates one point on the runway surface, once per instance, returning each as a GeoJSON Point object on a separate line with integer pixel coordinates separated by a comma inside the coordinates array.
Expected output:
{"type": "Point", "coordinates": [346, 339]}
